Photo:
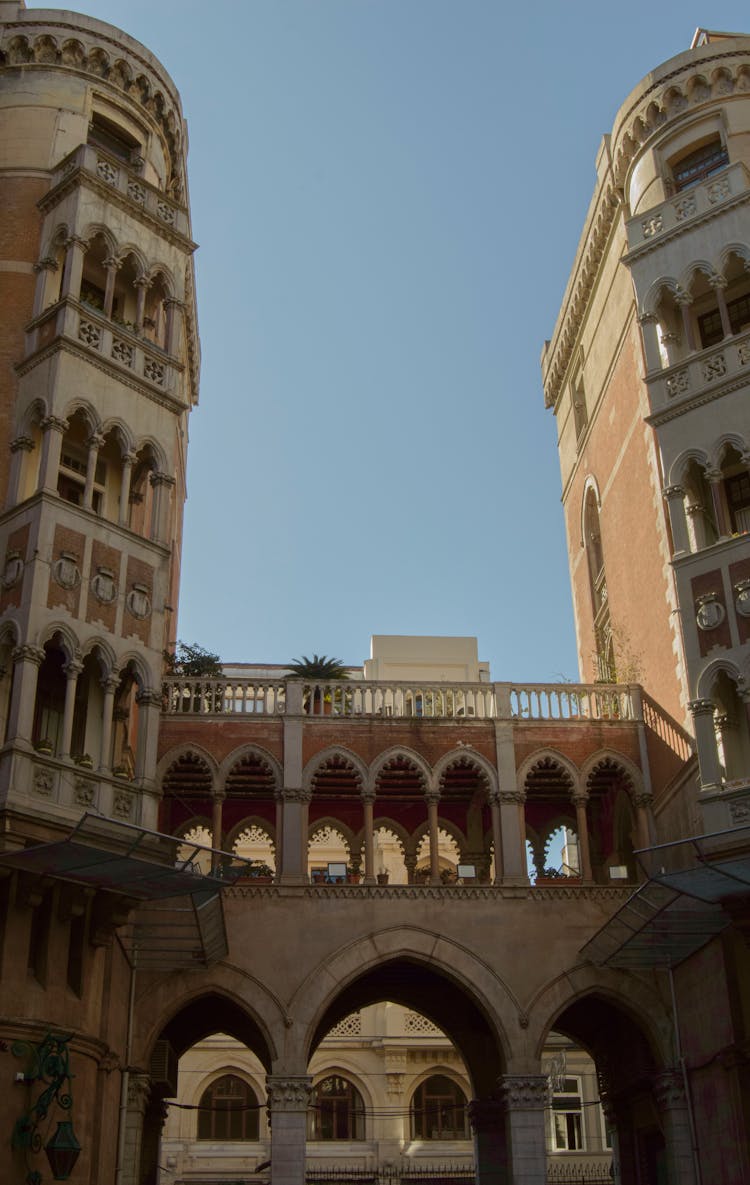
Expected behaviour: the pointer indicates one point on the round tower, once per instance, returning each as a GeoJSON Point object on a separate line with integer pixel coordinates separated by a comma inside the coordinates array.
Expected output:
{"type": "Point", "coordinates": [100, 363]}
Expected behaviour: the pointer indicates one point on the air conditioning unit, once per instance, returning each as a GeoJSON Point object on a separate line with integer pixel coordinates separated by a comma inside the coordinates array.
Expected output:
{"type": "Point", "coordinates": [163, 1068]}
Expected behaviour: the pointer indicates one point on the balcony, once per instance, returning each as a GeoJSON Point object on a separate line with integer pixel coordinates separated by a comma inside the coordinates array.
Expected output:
{"type": "Point", "coordinates": [126, 352]}
{"type": "Point", "coordinates": [702, 373]}
{"type": "Point", "coordinates": [686, 208]}
{"type": "Point", "coordinates": [127, 185]}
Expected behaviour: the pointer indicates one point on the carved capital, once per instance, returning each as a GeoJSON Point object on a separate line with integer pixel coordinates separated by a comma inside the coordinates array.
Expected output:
{"type": "Point", "coordinates": [47, 264]}
{"type": "Point", "coordinates": [54, 424]}
{"type": "Point", "coordinates": [367, 793]}
{"type": "Point", "coordinates": [142, 282]}
{"type": "Point", "coordinates": [76, 241]}
{"type": "Point", "coordinates": [297, 793]}
{"type": "Point", "coordinates": [669, 1090]}
{"type": "Point", "coordinates": [701, 707]}
{"type": "Point", "coordinates": [432, 794]}
{"type": "Point", "coordinates": [644, 800]}
{"type": "Point", "coordinates": [148, 698]}
{"type": "Point", "coordinates": [27, 653]}
{"type": "Point", "coordinates": [95, 441]}
{"type": "Point", "coordinates": [525, 1092]}
{"type": "Point", "coordinates": [512, 796]}
{"type": "Point", "coordinates": [161, 479]}
{"type": "Point", "coordinates": [579, 799]}
{"type": "Point", "coordinates": [73, 667]}
{"type": "Point", "coordinates": [23, 444]}
{"type": "Point", "coordinates": [673, 492]}
{"type": "Point", "coordinates": [112, 263]}
{"type": "Point", "coordinates": [139, 1092]}
{"type": "Point", "coordinates": [648, 319]}
{"type": "Point", "coordinates": [288, 1094]}
{"type": "Point", "coordinates": [717, 281]}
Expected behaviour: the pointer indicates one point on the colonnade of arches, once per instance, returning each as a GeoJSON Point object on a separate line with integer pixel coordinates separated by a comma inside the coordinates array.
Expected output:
{"type": "Point", "coordinates": [432, 820]}
{"type": "Point", "coordinates": [704, 306]}
{"type": "Point", "coordinates": [80, 701]}
{"type": "Point", "coordinates": [98, 465]}
{"type": "Point", "coordinates": [624, 1028]}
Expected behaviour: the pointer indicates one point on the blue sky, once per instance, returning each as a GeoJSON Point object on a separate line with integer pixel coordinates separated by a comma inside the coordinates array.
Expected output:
{"type": "Point", "coordinates": [388, 196]}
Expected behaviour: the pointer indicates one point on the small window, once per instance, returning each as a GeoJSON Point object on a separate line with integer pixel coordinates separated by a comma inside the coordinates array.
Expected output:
{"type": "Point", "coordinates": [738, 499]}
{"type": "Point", "coordinates": [228, 1110]}
{"type": "Point", "coordinates": [336, 1111]}
{"type": "Point", "coordinates": [701, 163]}
{"type": "Point", "coordinates": [711, 329]}
{"type": "Point", "coordinates": [438, 1110]}
{"type": "Point", "coordinates": [105, 134]}
{"type": "Point", "coordinates": [567, 1117]}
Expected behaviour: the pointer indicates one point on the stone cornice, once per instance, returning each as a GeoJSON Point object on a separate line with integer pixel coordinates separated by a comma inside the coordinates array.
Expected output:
{"type": "Point", "coordinates": [121, 373]}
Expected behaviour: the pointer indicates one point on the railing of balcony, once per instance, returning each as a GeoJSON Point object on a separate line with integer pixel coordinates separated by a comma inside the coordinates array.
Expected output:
{"type": "Point", "coordinates": [667, 729]}
{"type": "Point", "coordinates": [127, 182]}
{"type": "Point", "coordinates": [357, 699]}
{"type": "Point", "coordinates": [687, 206]}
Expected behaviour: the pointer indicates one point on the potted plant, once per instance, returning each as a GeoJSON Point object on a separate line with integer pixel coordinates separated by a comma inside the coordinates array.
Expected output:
{"type": "Point", "coordinates": [318, 669]}
{"type": "Point", "coordinates": [260, 873]}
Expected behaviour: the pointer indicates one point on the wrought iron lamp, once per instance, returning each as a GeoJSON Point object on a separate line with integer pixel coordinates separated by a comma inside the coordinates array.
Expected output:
{"type": "Point", "coordinates": [48, 1063]}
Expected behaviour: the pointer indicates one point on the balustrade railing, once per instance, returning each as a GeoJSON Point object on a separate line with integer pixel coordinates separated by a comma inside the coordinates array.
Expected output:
{"type": "Point", "coordinates": [358, 699]}
{"type": "Point", "coordinates": [667, 729]}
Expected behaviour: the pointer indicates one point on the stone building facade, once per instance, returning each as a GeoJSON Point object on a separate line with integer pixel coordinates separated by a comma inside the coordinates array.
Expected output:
{"type": "Point", "coordinates": [126, 944]}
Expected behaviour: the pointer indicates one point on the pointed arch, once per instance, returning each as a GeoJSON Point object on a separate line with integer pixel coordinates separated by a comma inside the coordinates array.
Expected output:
{"type": "Point", "coordinates": [679, 466]}
{"type": "Point", "coordinates": [634, 782]}
{"type": "Point", "coordinates": [653, 298]}
{"type": "Point", "coordinates": [405, 753]}
{"type": "Point", "coordinates": [267, 761]}
{"type": "Point", "coordinates": [710, 673]}
{"type": "Point", "coordinates": [547, 757]}
{"type": "Point", "coordinates": [186, 749]}
{"type": "Point", "coordinates": [69, 642]}
{"type": "Point", "coordinates": [466, 757]}
{"type": "Point", "coordinates": [335, 753]}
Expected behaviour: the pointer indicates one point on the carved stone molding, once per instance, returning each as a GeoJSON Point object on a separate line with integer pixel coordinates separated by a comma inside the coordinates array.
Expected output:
{"type": "Point", "coordinates": [296, 793]}
{"type": "Point", "coordinates": [139, 1092]}
{"type": "Point", "coordinates": [525, 1092]}
{"type": "Point", "coordinates": [510, 796]}
{"type": "Point", "coordinates": [288, 1094]}
{"type": "Point", "coordinates": [27, 653]}
{"type": "Point", "coordinates": [669, 1090]}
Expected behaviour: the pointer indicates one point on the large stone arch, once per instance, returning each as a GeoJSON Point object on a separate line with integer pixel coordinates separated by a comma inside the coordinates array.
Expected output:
{"type": "Point", "coordinates": [386, 965]}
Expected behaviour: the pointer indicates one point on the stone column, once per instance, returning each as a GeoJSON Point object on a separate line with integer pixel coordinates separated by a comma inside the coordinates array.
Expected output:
{"type": "Point", "coordinates": [644, 821]}
{"type": "Point", "coordinates": [139, 1090]}
{"type": "Point", "coordinates": [433, 798]}
{"type": "Point", "coordinates": [217, 824]}
{"type": "Point", "coordinates": [149, 710]}
{"type": "Point", "coordinates": [48, 264]}
{"type": "Point", "coordinates": [161, 483]}
{"type": "Point", "coordinates": [582, 825]}
{"type": "Point", "coordinates": [288, 1099]}
{"type": "Point", "coordinates": [141, 285]}
{"type": "Point", "coordinates": [488, 1125]}
{"type": "Point", "coordinates": [650, 333]}
{"type": "Point", "coordinates": [294, 853]}
{"type": "Point", "coordinates": [368, 805]}
{"type": "Point", "coordinates": [128, 461]}
{"type": "Point", "coordinates": [27, 660]}
{"type": "Point", "coordinates": [94, 442]}
{"type": "Point", "coordinates": [684, 300]}
{"type": "Point", "coordinates": [513, 828]}
{"type": "Point", "coordinates": [53, 430]}
{"type": "Point", "coordinates": [669, 1092]}
{"type": "Point", "coordinates": [410, 860]}
{"type": "Point", "coordinates": [718, 283]}
{"type": "Point", "coordinates": [111, 266]}
{"type": "Point", "coordinates": [671, 342]}
{"type": "Point", "coordinates": [172, 307]}
{"type": "Point", "coordinates": [109, 685]}
{"type": "Point", "coordinates": [279, 845]}
{"type": "Point", "coordinates": [715, 479]}
{"type": "Point", "coordinates": [75, 249]}
{"type": "Point", "coordinates": [497, 836]}
{"type": "Point", "coordinates": [18, 447]}
{"type": "Point", "coordinates": [73, 669]}
{"type": "Point", "coordinates": [675, 496]}
{"type": "Point", "coordinates": [525, 1097]}
{"type": "Point", "coordinates": [705, 738]}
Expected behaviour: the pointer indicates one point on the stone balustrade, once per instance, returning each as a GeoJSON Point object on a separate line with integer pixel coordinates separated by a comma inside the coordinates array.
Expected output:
{"type": "Point", "coordinates": [125, 181]}
{"type": "Point", "coordinates": [689, 205]}
{"type": "Point", "coordinates": [356, 698]}
{"type": "Point", "coordinates": [728, 362]}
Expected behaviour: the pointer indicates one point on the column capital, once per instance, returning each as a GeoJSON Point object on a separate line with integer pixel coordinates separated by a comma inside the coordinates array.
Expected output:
{"type": "Point", "coordinates": [172, 302]}
{"type": "Point", "coordinates": [579, 798]}
{"type": "Point", "coordinates": [149, 698]}
{"type": "Point", "coordinates": [701, 707]}
{"type": "Point", "coordinates": [674, 491]}
{"type": "Point", "coordinates": [112, 263]}
{"type": "Point", "coordinates": [682, 298]}
{"type": "Point", "coordinates": [717, 281]}
{"type": "Point", "coordinates": [644, 799]}
{"type": "Point", "coordinates": [76, 241]}
{"type": "Point", "coordinates": [161, 479]}
{"type": "Point", "coordinates": [669, 1090]}
{"type": "Point", "coordinates": [27, 653]}
{"type": "Point", "coordinates": [95, 440]}
{"type": "Point", "coordinates": [524, 1092]}
{"type": "Point", "coordinates": [109, 684]}
{"type": "Point", "coordinates": [139, 1091]}
{"type": "Point", "coordinates": [432, 794]}
{"type": "Point", "coordinates": [142, 282]}
{"type": "Point", "coordinates": [129, 458]}
{"type": "Point", "coordinates": [288, 1093]}
{"type": "Point", "coordinates": [510, 796]}
{"type": "Point", "coordinates": [22, 444]}
{"type": "Point", "coordinates": [367, 794]}
{"type": "Point", "coordinates": [296, 794]}
{"type": "Point", "coordinates": [47, 264]}
{"type": "Point", "coordinates": [54, 424]}
{"type": "Point", "coordinates": [73, 667]}
{"type": "Point", "coordinates": [648, 319]}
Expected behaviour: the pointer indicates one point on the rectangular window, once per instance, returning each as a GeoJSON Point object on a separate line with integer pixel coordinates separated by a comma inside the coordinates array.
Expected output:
{"type": "Point", "coordinates": [567, 1117]}
{"type": "Point", "coordinates": [701, 163]}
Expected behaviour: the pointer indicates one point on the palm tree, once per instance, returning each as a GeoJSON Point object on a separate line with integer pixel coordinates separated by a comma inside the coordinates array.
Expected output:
{"type": "Point", "coordinates": [319, 667]}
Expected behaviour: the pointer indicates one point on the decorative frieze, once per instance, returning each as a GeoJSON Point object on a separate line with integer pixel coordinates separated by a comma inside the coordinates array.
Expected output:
{"type": "Point", "coordinates": [288, 1094]}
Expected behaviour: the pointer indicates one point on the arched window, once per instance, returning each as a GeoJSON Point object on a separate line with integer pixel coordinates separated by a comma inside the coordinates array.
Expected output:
{"type": "Point", "coordinates": [228, 1110]}
{"type": "Point", "coordinates": [336, 1111]}
{"type": "Point", "coordinates": [438, 1110]}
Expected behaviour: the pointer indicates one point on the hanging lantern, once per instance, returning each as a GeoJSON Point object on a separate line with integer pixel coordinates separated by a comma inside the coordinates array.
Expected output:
{"type": "Point", "coordinates": [63, 1150]}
